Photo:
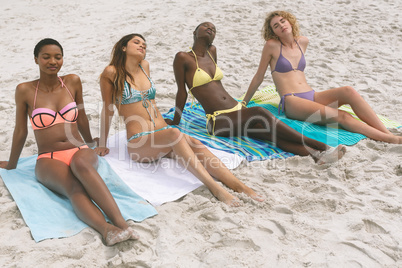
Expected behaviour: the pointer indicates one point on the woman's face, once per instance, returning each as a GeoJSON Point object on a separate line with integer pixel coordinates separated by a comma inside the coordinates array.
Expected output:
{"type": "Point", "coordinates": [50, 59]}
{"type": "Point", "coordinates": [206, 29]}
{"type": "Point", "coordinates": [136, 46]}
{"type": "Point", "coordinates": [280, 26]}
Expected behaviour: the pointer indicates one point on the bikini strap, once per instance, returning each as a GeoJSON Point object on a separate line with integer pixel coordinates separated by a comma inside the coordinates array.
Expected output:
{"type": "Point", "coordinates": [189, 91]}
{"type": "Point", "coordinates": [299, 47]}
{"type": "Point", "coordinates": [36, 93]}
{"type": "Point", "coordinates": [195, 56]}
{"type": "Point", "coordinates": [145, 99]}
{"type": "Point", "coordinates": [64, 85]}
{"type": "Point", "coordinates": [146, 74]}
{"type": "Point", "coordinates": [211, 57]}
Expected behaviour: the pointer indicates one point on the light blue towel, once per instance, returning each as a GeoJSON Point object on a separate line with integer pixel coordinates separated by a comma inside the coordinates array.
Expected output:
{"type": "Point", "coordinates": [50, 215]}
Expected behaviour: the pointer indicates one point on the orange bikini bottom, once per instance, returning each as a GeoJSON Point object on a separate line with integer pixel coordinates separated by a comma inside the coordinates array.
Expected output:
{"type": "Point", "coordinates": [63, 155]}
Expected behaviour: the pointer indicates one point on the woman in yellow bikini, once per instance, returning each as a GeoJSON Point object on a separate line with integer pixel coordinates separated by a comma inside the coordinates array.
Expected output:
{"type": "Point", "coordinates": [126, 83]}
{"type": "Point", "coordinates": [198, 70]}
{"type": "Point", "coordinates": [65, 164]}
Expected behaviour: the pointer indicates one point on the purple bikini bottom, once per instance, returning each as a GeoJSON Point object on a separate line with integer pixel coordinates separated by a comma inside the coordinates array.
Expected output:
{"type": "Point", "coordinates": [309, 95]}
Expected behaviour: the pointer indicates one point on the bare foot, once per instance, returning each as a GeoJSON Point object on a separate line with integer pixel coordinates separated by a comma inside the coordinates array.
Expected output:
{"type": "Point", "coordinates": [133, 234]}
{"type": "Point", "coordinates": [235, 202]}
{"type": "Point", "coordinates": [116, 236]}
{"type": "Point", "coordinates": [249, 192]}
{"type": "Point", "coordinates": [331, 155]}
{"type": "Point", "coordinates": [228, 199]}
{"type": "Point", "coordinates": [257, 197]}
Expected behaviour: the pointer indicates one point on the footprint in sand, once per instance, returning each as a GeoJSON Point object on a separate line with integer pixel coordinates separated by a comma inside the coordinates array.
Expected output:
{"type": "Point", "coordinates": [373, 228]}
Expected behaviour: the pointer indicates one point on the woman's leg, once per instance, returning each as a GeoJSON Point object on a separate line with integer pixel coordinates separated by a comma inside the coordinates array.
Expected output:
{"type": "Point", "coordinates": [336, 97]}
{"type": "Point", "coordinates": [171, 142]}
{"type": "Point", "coordinates": [257, 122]}
{"type": "Point", "coordinates": [58, 177]}
{"type": "Point", "coordinates": [314, 112]}
{"type": "Point", "coordinates": [218, 170]}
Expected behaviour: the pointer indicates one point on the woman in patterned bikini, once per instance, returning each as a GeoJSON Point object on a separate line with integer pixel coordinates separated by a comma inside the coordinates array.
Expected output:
{"type": "Point", "coordinates": [126, 84]}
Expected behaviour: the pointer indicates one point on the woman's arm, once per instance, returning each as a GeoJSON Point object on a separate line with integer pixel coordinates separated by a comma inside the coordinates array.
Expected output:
{"type": "Point", "coordinates": [20, 129]}
{"type": "Point", "coordinates": [266, 57]}
{"type": "Point", "coordinates": [107, 87]}
{"type": "Point", "coordinates": [179, 68]}
{"type": "Point", "coordinates": [82, 120]}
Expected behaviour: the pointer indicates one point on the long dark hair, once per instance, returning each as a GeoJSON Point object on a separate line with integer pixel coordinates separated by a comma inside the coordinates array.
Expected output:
{"type": "Point", "coordinates": [118, 60]}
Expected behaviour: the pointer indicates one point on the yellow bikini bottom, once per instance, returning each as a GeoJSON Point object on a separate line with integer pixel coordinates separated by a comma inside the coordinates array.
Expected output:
{"type": "Point", "coordinates": [216, 113]}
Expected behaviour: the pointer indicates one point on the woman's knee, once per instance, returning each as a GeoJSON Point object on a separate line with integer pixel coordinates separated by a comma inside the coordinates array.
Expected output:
{"type": "Point", "coordinates": [84, 160]}
{"type": "Point", "coordinates": [349, 92]}
{"type": "Point", "coordinates": [194, 142]}
{"type": "Point", "coordinates": [343, 117]}
{"type": "Point", "coordinates": [261, 116]}
{"type": "Point", "coordinates": [75, 188]}
{"type": "Point", "coordinates": [173, 135]}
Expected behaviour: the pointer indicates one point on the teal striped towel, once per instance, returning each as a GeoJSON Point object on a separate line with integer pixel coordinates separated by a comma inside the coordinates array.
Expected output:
{"type": "Point", "coordinates": [193, 124]}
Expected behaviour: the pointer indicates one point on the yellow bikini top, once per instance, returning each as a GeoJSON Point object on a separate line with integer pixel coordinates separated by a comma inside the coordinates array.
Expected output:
{"type": "Point", "coordinates": [201, 77]}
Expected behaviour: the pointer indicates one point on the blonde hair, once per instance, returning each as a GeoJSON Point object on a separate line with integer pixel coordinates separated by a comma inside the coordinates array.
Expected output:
{"type": "Point", "coordinates": [268, 32]}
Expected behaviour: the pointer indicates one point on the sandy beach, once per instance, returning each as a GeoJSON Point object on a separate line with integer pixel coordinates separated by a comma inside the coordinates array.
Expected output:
{"type": "Point", "coordinates": [348, 214]}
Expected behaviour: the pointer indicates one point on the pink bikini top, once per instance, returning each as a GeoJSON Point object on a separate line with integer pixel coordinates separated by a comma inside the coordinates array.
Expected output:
{"type": "Point", "coordinates": [42, 118]}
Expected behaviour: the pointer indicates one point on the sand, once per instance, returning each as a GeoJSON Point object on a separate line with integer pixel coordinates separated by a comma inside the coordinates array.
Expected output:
{"type": "Point", "coordinates": [344, 215]}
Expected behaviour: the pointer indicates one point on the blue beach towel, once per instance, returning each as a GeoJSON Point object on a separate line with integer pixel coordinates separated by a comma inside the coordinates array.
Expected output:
{"type": "Point", "coordinates": [49, 215]}
{"type": "Point", "coordinates": [193, 123]}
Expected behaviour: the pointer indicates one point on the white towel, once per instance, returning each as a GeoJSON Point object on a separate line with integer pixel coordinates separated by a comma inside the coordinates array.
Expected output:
{"type": "Point", "coordinates": [159, 182]}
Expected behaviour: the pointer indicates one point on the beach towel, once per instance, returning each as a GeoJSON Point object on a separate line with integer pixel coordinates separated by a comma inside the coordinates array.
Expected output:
{"type": "Point", "coordinates": [159, 182]}
{"type": "Point", "coordinates": [49, 215]}
{"type": "Point", "coordinates": [330, 134]}
{"type": "Point", "coordinates": [193, 123]}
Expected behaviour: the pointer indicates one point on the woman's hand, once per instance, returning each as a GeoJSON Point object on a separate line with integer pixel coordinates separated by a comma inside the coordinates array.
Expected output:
{"type": "Point", "coordinates": [94, 143]}
{"type": "Point", "coordinates": [169, 121]}
{"type": "Point", "coordinates": [101, 151]}
{"type": "Point", "coordinates": [4, 164]}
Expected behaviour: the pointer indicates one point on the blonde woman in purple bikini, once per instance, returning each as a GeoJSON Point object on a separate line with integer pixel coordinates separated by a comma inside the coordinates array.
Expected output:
{"type": "Point", "coordinates": [284, 53]}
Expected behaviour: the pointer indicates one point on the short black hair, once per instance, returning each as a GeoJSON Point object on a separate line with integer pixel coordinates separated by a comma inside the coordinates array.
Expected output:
{"type": "Point", "coordinates": [44, 42]}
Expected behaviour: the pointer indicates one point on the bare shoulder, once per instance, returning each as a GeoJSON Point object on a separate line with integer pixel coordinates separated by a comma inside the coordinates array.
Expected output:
{"type": "Point", "coordinates": [272, 44]}
{"type": "Point", "coordinates": [25, 91]}
{"type": "Point", "coordinates": [303, 40]}
{"type": "Point", "coordinates": [181, 55]}
{"type": "Point", "coordinates": [182, 59]}
{"type": "Point", "coordinates": [73, 82]}
{"type": "Point", "coordinates": [145, 64]}
{"type": "Point", "coordinates": [71, 78]}
{"type": "Point", "coordinates": [109, 72]}
{"type": "Point", "coordinates": [25, 86]}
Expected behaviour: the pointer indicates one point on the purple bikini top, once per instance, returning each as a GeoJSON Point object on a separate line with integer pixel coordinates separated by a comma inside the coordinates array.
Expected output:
{"type": "Point", "coordinates": [284, 66]}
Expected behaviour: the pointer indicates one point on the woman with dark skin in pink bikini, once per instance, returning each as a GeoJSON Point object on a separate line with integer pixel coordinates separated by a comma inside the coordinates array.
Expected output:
{"type": "Point", "coordinates": [284, 49]}
{"type": "Point", "coordinates": [198, 70]}
{"type": "Point", "coordinates": [65, 164]}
